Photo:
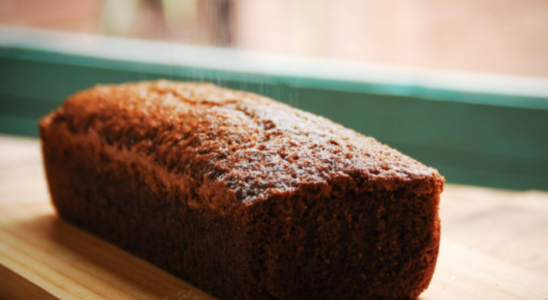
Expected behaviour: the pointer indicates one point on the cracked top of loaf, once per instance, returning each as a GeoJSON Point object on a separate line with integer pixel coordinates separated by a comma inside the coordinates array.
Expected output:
{"type": "Point", "coordinates": [251, 144]}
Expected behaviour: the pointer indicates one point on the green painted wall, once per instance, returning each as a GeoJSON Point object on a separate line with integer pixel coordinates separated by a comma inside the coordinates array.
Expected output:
{"type": "Point", "coordinates": [478, 139]}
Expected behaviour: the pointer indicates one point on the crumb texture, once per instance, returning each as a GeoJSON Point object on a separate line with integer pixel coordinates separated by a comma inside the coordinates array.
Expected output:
{"type": "Point", "coordinates": [257, 146]}
{"type": "Point", "coordinates": [243, 196]}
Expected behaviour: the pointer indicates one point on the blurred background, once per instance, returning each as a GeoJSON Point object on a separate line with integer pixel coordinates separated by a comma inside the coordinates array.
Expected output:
{"type": "Point", "coordinates": [494, 36]}
{"type": "Point", "coordinates": [458, 84]}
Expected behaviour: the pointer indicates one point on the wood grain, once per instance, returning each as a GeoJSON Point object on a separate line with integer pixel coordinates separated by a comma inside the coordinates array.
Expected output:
{"type": "Point", "coordinates": [16, 287]}
{"type": "Point", "coordinates": [509, 225]}
{"type": "Point", "coordinates": [465, 274]}
{"type": "Point", "coordinates": [493, 245]}
{"type": "Point", "coordinates": [71, 264]}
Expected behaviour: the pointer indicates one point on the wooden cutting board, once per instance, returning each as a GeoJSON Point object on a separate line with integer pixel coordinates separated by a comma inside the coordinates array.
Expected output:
{"type": "Point", "coordinates": [43, 257]}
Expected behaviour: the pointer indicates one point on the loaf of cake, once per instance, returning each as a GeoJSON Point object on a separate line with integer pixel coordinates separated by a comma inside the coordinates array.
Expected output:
{"type": "Point", "coordinates": [243, 196]}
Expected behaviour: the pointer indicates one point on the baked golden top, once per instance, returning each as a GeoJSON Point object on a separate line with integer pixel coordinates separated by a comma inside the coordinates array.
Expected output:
{"type": "Point", "coordinates": [255, 146]}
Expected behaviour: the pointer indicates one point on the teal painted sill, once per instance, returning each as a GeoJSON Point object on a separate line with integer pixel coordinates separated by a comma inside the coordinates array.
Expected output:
{"type": "Point", "coordinates": [475, 129]}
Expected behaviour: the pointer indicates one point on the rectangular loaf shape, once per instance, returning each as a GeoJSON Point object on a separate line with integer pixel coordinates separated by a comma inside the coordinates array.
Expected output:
{"type": "Point", "coordinates": [243, 196]}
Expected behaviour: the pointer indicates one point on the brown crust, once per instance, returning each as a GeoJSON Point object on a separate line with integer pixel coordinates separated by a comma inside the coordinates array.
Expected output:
{"type": "Point", "coordinates": [311, 209]}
